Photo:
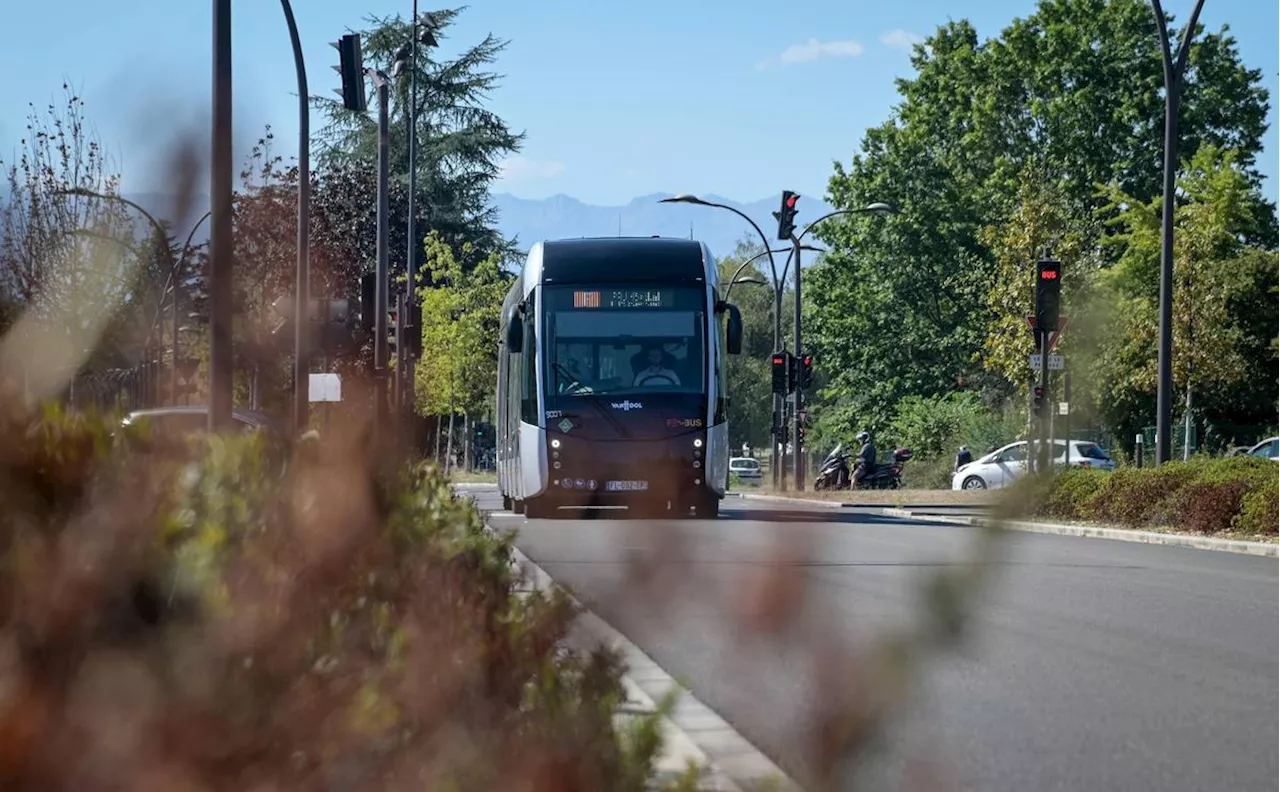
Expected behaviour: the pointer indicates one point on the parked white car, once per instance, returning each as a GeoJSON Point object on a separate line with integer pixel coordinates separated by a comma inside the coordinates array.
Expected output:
{"type": "Point", "coordinates": [1267, 449]}
{"type": "Point", "coordinates": [746, 469]}
{"type": "Point", "coordinates": [1002, 466]}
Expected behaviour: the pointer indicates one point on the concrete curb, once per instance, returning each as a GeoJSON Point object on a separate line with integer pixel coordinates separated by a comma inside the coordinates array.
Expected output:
{"type": "Point", "coordinates": [729, 762]}
{"type": "Point", "coordinates": [1098, 532]}
{"type": "Point", "coordinates": [784, 499]}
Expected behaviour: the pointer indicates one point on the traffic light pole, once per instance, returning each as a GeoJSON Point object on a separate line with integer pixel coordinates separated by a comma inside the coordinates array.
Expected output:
{"type": "Point", "coordinates": [1042, 428]}
{"type": "Point", "coordinates": [797, 430]}
{"type": "Point", "coordinates": [778, 435]}
{"type": "Point", "coordinates": [380, 351]}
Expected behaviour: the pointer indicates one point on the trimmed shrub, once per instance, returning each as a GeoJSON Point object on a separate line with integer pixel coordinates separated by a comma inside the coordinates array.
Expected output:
{"type": "Point", "coordinates": [216, 620]}
{"type": "Point", "coordinates": [1208, 496]}
{"type": "Point", "coordinates": [1260, 511]}
{"type": "Point", "coordinates": [1074, 493]}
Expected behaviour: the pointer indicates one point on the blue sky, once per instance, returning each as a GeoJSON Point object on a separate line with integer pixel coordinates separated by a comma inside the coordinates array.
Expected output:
{"type": "Point", "coordinates": [740, 98]}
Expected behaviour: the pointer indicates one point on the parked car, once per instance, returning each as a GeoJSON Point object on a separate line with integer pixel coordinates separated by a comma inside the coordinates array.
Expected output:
{"type": "Point", "coordinates": [746, 469]}
{"type": "Point", "coordinates": [169, 427]}
{"type": "Point", "coordinates": [1267, 449]}
{"type": "Point", "coordinates": [1002, 466]}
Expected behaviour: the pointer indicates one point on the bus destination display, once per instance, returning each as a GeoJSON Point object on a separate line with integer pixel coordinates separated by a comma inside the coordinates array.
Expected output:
{"type": "Point", "coordinates": [624, 298]}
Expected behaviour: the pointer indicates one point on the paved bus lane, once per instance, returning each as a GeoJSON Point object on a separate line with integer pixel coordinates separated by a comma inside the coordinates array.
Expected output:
{"type": "Point", "coordinates": [1090, 664]}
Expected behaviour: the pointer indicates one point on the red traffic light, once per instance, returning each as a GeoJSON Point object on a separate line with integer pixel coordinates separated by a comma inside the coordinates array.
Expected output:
{"type": "Point", "coordinates": [1038, 391]}
{"type": "Point", "coordinates": [791, 201]}
{"type": "Point", "coordinates": [779, 360]}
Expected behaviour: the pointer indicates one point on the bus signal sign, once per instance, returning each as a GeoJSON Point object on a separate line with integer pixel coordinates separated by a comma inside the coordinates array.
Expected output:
{"type": "Point", "coordinates": [1049, 274]}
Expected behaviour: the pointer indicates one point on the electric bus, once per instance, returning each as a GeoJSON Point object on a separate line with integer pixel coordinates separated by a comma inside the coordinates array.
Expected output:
{"type": "Point", "coordinates": [611, 379]}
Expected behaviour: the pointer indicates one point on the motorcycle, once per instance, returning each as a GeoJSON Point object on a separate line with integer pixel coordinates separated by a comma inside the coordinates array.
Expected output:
{"type": "Point", "coordinates": [835, 473]}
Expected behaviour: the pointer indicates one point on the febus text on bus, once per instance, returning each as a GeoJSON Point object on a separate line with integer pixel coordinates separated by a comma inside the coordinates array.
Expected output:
{"type": "Point", "coordinates": [611, 383]}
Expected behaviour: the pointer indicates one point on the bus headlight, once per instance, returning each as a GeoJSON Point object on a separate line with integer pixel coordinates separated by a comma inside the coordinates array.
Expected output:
{"type": "Point", "coordinates": [697, 442]}
{"type": "Point", "coordinates": [555, 443]}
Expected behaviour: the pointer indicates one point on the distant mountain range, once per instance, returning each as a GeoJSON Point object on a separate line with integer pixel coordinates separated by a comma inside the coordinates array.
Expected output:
{"type": "Point", "coordinates": [561, 216]}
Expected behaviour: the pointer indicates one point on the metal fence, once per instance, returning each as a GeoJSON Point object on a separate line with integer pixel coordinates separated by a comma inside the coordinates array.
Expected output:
{"type": "Point", "coordinates": [134, 388]}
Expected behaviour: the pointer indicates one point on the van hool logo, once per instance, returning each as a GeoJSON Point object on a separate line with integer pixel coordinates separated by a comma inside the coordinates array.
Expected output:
{"type": "Point", "coordinates": [627, 405]}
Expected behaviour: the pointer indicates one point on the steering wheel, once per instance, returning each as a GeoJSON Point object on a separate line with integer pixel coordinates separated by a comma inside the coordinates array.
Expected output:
{"type": "Point", "coordinates": [648, 377]}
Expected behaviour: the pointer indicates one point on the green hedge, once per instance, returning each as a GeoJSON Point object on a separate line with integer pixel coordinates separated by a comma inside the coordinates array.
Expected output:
{"type": "Point", "coordinates": [230, 618]}
{"type": "Point", "coordinates": [1207, 496]}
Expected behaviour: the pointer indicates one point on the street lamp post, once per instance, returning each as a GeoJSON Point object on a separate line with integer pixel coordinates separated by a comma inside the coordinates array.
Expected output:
{"type": "Point", "coordinates": [380, 351]}
{"type": "Point", "coordinates": [424, 27]}
{"type": "Point", "coordinates": [877, 208]}
{"type": "Point", "coordinates": [777, 428]}
{"type": "Point", "coordinates": [1173, 72]}
{"type": "Point", "coordinates": [221, 255]}
{"type": "Point", "coordinates": [302, 279]}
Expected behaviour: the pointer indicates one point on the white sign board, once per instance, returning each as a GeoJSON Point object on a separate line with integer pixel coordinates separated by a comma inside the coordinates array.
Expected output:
{"type": "Point", "coordinates": [324, 388]}
{"type": "Point", "coordinates": [1063, 408]}
{"type": "Point", "coordinates": [1055, 362]}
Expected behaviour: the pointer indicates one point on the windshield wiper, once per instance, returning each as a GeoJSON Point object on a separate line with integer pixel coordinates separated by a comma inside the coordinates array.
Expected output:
{"type": "Point", "coordinates": [608, 416]}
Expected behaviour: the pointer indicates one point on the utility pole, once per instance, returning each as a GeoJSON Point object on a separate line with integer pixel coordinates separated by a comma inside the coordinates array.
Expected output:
{"type": "Point", "coordinates": [1173, 73]}
{"type": "Point", "coordinates": [221, 254]}
{"type": "Point", "coordinates": [382, 284]}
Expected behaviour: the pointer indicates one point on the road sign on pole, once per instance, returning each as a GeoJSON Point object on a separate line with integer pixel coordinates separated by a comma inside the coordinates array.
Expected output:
{"type": "Point", "coordinates": [1053, 336]}
{"type": "Point", "coordinates": [1056, 362]}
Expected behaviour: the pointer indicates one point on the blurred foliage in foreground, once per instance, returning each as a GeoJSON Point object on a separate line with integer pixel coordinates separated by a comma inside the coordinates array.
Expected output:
{"type": "Point", "coordinates": [1209, 496]}
{"type": "Point", "coordinates": [222, 617]}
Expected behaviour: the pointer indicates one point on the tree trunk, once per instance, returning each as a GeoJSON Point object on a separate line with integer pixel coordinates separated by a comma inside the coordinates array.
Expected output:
{"type": "Point", "coordinates": [439, 432]}
{"type": "Point", "coordinates": [448, 454]}
{"type": "Point", "coordinates": [466, 441]}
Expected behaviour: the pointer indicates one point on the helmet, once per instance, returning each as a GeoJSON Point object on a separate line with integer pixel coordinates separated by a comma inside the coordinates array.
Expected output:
{"type": "Point", "coordinates": [863, 437]}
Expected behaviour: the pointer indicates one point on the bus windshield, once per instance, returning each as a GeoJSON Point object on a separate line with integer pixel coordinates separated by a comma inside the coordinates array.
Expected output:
{"type": "Point", "coordinates": [610, 340]}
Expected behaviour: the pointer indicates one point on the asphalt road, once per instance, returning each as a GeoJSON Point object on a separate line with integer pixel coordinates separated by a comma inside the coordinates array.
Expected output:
{"type": "Point", "coordinates": [1090, 664]}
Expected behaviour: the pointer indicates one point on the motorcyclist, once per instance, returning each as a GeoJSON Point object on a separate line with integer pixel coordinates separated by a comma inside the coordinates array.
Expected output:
{"type": "Point", "coordinates": [866, 459]}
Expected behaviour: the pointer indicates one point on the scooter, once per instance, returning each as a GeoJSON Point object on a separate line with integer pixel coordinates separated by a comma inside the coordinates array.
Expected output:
{"type": "Point", "coordinates": [835, 474]}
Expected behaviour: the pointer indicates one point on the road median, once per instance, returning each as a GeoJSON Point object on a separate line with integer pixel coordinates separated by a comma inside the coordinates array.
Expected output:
{"type": "Point", "coordinates": [931, 513]}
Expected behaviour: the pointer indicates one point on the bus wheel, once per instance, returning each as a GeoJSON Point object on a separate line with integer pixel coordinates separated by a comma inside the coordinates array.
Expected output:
{"type": "Point", "coordinates": [507, 504]}
{"type": "Point", "coordinates": [707, 507]}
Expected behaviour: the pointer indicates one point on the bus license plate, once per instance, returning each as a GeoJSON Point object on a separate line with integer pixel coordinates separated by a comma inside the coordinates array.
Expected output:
{"type": "Point", "coordinates": [626, 486]}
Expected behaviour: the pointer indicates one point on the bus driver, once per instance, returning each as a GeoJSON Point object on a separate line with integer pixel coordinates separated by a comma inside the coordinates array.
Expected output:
{"type": "Point", "coordinates": [656, 373]}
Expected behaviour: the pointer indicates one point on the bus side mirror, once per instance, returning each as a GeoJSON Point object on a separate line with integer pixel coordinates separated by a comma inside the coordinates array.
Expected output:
{"type": "Point", "coordinates": [733, 330]}
{"type": "Point", "coordinates": [515, 330]}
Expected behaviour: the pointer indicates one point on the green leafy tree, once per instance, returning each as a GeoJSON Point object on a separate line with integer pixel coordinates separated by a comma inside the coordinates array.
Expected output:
{"type": "Point", "coordinates": [1222, 285]}
{"type": "Point", "coordinates": [901, 305]}
{"type": "Point", "coordinates": [459, 368]}
{"type": "Point", "coordinates": [459, 142]}
{"type": "Point", "coordinates": [1043, 219]}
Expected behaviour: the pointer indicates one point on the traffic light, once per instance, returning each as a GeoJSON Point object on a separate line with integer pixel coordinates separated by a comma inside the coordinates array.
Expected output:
{"type": "Point", "coordinates": [1048, 291]}
{"type": "Point", "coordinates": [786, 214]}
{"type": "Point", "coordinates": [804, 371]}
{"type": "Point", "coordinates": [368, 300]}
{"type": "Point", "coordinates": [1037, 401]}
{"type": "Point", "coordinates": [781, 362]}
{"type": "Point", "coordinates": [413, 330]}
{"type": "Point", "coordinates": [351, 68]}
